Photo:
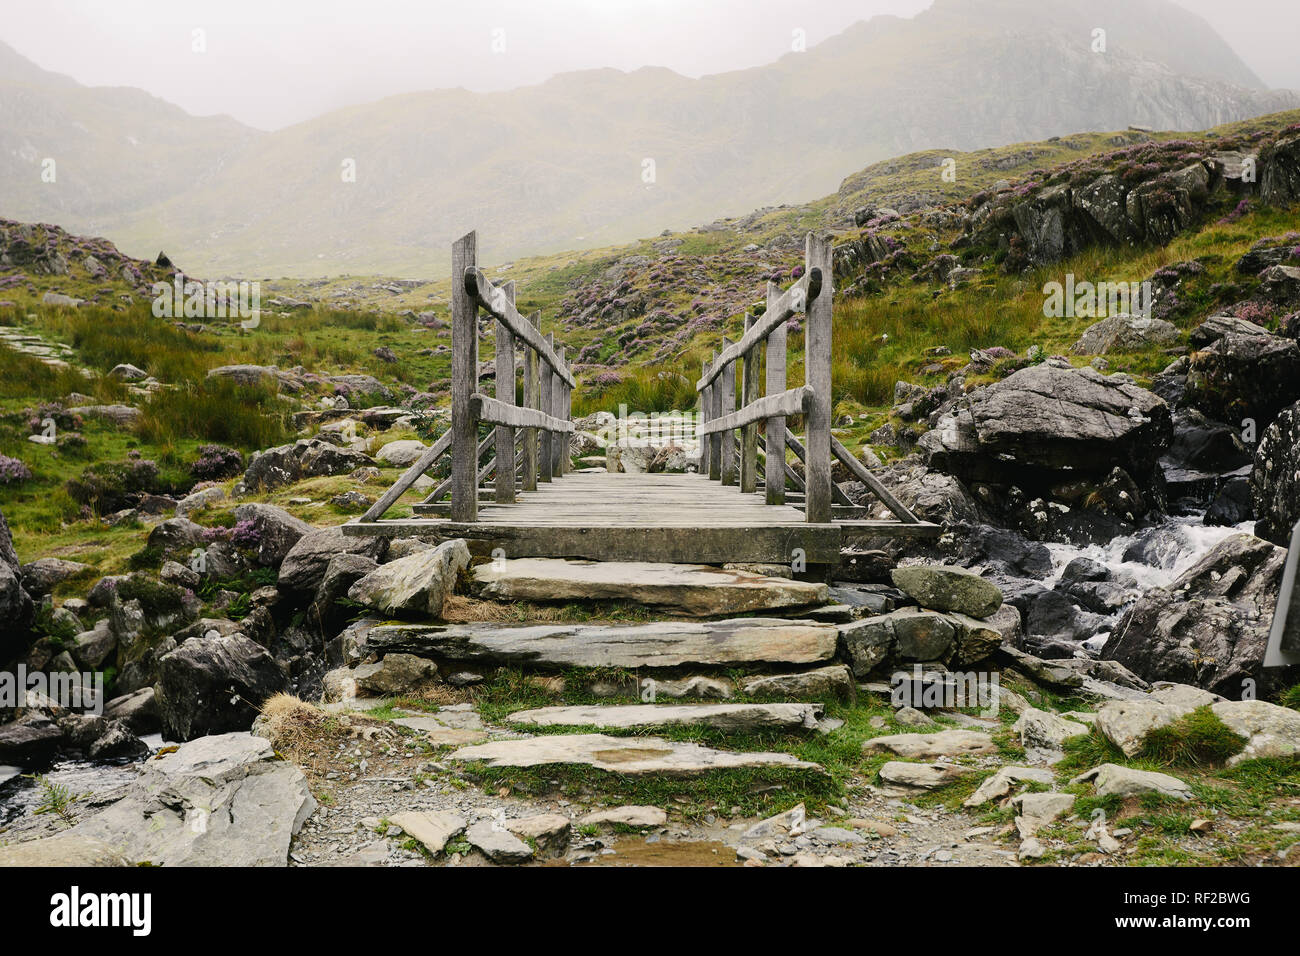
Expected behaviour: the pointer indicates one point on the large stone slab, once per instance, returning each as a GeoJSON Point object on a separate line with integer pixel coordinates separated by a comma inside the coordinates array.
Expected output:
{"type": "Point", "coordinates": [945, 743]}
{"type": "Point", "coordinates": [63, 849]}
{"type": "Point", "coordinates": [662, 644]}
{"type": "Point", "coordinates": [692, 589]}
{"type": "Point", "coordinates": [626, 755]}
{"type": "Point", "coordinates": [732, 718]}
{"type": "Point", "coordinates": [226, 800]}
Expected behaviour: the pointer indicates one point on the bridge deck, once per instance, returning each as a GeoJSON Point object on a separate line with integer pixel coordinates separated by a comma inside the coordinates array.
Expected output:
{"type": "Point", "coordinates": [607, 516]}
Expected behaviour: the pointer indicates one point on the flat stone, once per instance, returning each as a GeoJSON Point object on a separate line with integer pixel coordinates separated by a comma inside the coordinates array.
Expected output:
{"type": "Point", "coordinates": [433, 828]}
{"type": "Point", "coordinates": [497, 843]}
{"type": "Point", "coordinates": [63, 849]}
{"type": "Point", "coordinates": [630, 816]}
{"type": "Point", "coordinates": [945, 743]}
{"type": "Point", "coordinates": [1037, 810]}
{"type": "Point", "coordinates": [730, 718]}
{"type": "Point", "coordinates": [943, 588]}
{"type": "Point", "coordinates": [550, 831]}
{"type": "Point", "coordinates": [691, 589]}
{"type": "Point", "coordinates": [1046, 730]}
{"type": "Point", "coordinates": [835, 680]}
{"type": "Point", "coordinates": [1270, 730]}
{"type": "Point", "coordinates": [626, 755]}
{"type": "Point", "coordinates": [1126, 723]}
{"type": "Point", "coordinates": [1004, 781]}
{"type": "Point", "coordinates": [921, 776]}
{"type": "Point", "coordinates": [1113, 779]}
{"type": "Point", "coordinates": [662, 644]}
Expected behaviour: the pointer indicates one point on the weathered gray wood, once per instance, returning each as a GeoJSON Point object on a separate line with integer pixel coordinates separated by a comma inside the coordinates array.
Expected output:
{"type": "Point", "coordinates": [531, 401]}
{"type": "Point", "coordinates": [715, 438]}
{"type": "Point", "coordinates": [727, 384]}
{"type": "Point", "coordinates": [889, 529]}
{"type": "Point", "coordinates": [504, 371]}
{"type": "Point", "coordinates": [445, 486]}
{"type": "Point", "coordinates": [464, 375]}
{"type": "Point", "coordinates": [494, 412]}
{"type": "Point", "coordinates": [792, 301]}
{"type": "Point", "coordinates": [796, 446]}
{"type": "Point", "coordinates": [560, 442]}
{"type": "Point", "coordinates": [409, 477]}
{"type": "Point", "coordinates": [493, 299]}
{"type": "Point", "coordinates": [749, 432]}
{"type": "Point", "coordinates": [775, 467]}
{"type": "Point", "coordinates": [796, 401]}
{"type": "Point", "coordinates": [705, 397]}
{"type": "Point", "coordinates": [817, 376]}
{"type": "Point", "coordinates": [900, 510]}
{"type": "Point", "coordinates": [546, 373]}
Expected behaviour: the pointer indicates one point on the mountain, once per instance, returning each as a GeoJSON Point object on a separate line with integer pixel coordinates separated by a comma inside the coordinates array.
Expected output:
{"type": "Point", "coordinates": [562, 164]}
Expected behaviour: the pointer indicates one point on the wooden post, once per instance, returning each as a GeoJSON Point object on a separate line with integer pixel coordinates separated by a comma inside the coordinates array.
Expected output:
{"type": "Point", "coordinates": [817, 376]}
{"type": "Point", "coordinates": [728, 384]}
{"type": "Point", "coordinates": [531, 401]}
{"type": "Point", "coordinates": [464, 377]}
{"type": "Point", "coordinates": [774, 470]}
{"type": "Point", "coordinates": [504, 370]}
{"type": "Point", "coordinates": [560, 440]}
{"type": "Point", "coordinates": [705, 397]}
{"type": "Point", "coordinates": [546, 376]}
{"type": "Point", "coordinates": [715, 439]}
{"type": "Point", "coordinates": [749, 434]}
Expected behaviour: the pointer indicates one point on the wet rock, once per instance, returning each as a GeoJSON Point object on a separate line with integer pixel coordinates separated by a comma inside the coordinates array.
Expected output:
{"type": "Point", "coordinates": [1275, 478]}
{"type": "Point", "coordinates": [30, 740]}
{"type": "Point", "coordinates": [1245, 376]}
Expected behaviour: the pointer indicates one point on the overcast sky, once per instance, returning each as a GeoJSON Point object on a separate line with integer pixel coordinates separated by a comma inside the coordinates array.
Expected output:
{"type": "Point", "coordinates": [270, 63]}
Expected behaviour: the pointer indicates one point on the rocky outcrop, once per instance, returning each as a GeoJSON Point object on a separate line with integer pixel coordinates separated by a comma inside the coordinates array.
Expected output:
{"type": "Point", "coordinates": [1050, 417]}
{"type": "Point", "coordinates": [226, 800]}
{"type": "Point", "coordinates": [1210, 627]}
{"type": "Point", "coordinates": [1275, 479]}
{"type": "Point", "coordinates": [303, 567]}
{"type": "Point", "coordinates": [214, 684]}
{"type": "Point", "coordinates": [274, 529]}
{"type": "Point", "coordinates": [1245, 376]}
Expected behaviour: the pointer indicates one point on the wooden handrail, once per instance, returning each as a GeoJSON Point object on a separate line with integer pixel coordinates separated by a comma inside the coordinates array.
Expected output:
{"type": "Point", "coordinates": [796, 401]}
{"type": "Point", "coordinates": [495, 301]}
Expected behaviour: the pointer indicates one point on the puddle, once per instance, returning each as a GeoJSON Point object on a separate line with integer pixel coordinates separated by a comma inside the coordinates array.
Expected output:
{"type": "Point", "coordinates": [692, 853]}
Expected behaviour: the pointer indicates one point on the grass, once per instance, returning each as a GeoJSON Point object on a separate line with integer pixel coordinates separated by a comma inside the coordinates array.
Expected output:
{"type": "Point", "coordinates": [1198, 739]}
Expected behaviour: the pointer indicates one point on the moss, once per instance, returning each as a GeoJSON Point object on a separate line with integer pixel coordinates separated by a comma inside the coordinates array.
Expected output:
{"type": "Point", "coordinates": [1198, 739]}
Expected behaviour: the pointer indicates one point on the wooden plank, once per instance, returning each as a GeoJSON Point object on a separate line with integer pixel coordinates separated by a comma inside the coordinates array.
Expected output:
{"type": "Point", "coordinates": [546, 372]}
{"type": "Point", "coordinates": [493, 299]}
{"type": "Point", "coordinates": [529, 470]}
{"type": "Point", "coordinates": [794, 401]}
{"type": "Point", "coordinates": [758, 543]}
{"type": "Point", "coordinates": [900, 510]}
{"type": "Point", "coordinates": [445, 486]}
{"type": "Point", "coordinates": [749, 431]}
{"type": "Point", "coordinates": [796, 299]}
{"type": "Point", "coordinates": [796, 446]}
{"type": "Point", "coordinates": [504, 371]}
{"type": "Point", "coordinates": [409, 477]}
{"type": "Point", "coordinates": [817, 376]}
{"type": "Point", "coordinates": [889, 529]}
{"type": "Point", "coordinates": [775, 466]}
{"type": "Point", "coordinates": [464, 376]}
{"type": "Point", "coordinates": [727, 384]}
{"type": "Point", "coordinates": [493, 412]}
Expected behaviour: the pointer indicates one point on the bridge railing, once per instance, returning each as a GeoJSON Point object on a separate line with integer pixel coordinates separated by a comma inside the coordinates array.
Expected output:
{"type": "Point", "coordinates": [763, 346]}
{"type": "Point", "coordinates": [530, 437]}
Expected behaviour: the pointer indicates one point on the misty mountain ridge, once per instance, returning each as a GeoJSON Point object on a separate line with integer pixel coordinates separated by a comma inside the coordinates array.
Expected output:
{"type": "Point", "coordinates": [598, 156]}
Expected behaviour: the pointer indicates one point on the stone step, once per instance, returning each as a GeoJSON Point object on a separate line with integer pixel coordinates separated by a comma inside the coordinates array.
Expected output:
{"type": "Point", "coordinates": [731, 718]}
{"type": "Point", "coordinates": [693, 589]}
{"type": "Point", "coordinates": [660, 644]}
{"type": "Point", "coordinates": [625, 755]}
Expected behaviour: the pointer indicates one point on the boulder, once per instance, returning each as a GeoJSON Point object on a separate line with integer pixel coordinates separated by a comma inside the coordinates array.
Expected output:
{"type": "Point", "coordinates": [41, 576]}
{"type": "Point", "coordinates": [1279, 179]}
{"type": "Point", "coordinates": [1053, 418]}
{"type": "Point", "coordinates": [343, 571]}
{"type": "Point", "coordinates": [626, 816]}
{"type": "Point", "coordinates": [1124, 333]}
{"type": "Point", "coordinates": [303, 567]}
{"type": "Point", "coordinates": [682, 588]}
{"type": "Point", "coordinates": [212, 685]}
{"type": "Point", "coordinates": [16, 606]}
{"type": "Point", "coordinates": [415, 585]}
{"type": "Point", "coordinates": [320, 459]}
{"type": "Point", "coordinates": [1270, 730]}
{"type": "Point", "coordinates": [1217, 326]}
{"type": "Point", "coordinates": [945, 743]}
{"type": "Point", "coordinates": [395, 674]}
{"type": "Point", "coordinates": [225, 800]}
{"type": "Point", "coordinates": [433, 828]}
{"type": "Point", "coordinates": [402, 453]}
{"type": "Point", "coordinates": [1004, 781]}
{"type": "Point", "coordinates": [275, 529]}
{"type": "Point", "coordinates": [1037, 810]}
{"type": "Point", "coordinates": [1044, 730]}
{"type": "Point", "coordinates": [1114, 780]}
{"type": "Point", "coordinates": [1210, 627]}
{"type": "Point", "coordinates": [137, 710]}
{"type": "Point", "coordinates": [942, 588]}
{"type": "Point", "coordinates": [820, 683]}
{"type": "Point", "coordinates": [922, 776]}
{"type": "Point", "coordinates": [1275, 478]}
{"type": "Point", "coordinates": [31, 740]}
{"type": "Point", "coordinates": [1245, 376]}
{"type": "Point", "coordinates": [272, 468]}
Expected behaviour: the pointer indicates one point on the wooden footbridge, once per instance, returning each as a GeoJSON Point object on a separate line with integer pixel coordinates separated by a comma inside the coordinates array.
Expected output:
{"type": "Point", "coordinates": [538, 505]}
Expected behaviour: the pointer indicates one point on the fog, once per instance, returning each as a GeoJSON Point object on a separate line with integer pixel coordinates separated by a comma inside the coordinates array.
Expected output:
{"type": "Point", "coordinates": [273, 64]}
